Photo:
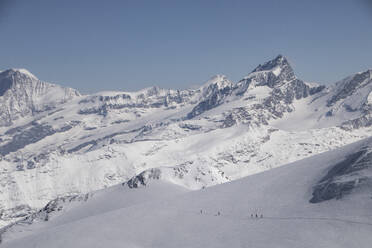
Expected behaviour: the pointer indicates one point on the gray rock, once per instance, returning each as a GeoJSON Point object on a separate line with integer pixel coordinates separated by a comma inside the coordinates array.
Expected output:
{"type": "Point", "coordinates": [143, 178]}
{"type": "Point", "coordinates": [343, 177]}
{"type": "Point", "coordinates": [349, 86]}
{"type": "Point", "coordinates": [20, 94]}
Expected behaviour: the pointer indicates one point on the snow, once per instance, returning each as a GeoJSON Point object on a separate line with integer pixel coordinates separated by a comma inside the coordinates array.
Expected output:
{"type": "Point", "coordinates": [25, 72]}
{"type": "Point", "coordinates": [99, 202]}
{"type": "Point", "coordinates": [236, 152]}
{"type": "Point", "coordinates": [277, 70]}
{"type": "Point", "coordinates": [258, 92]}
{"type": "Point", "coordinates": [219, 78]}
{"type": "Point", "coordinates": [369, 98]}
{"type": "Point", "coordinates": [312, 84]}
{"type": "Point", "coordinates": [281, 195]}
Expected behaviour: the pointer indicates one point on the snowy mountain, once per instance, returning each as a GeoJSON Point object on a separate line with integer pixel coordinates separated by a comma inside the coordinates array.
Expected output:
{"type": "Point", "coordinates": [58, 144]}
{"type": "Point", "coordinates": [23, 95]}
{"type": "Point", "coordinates": [321, 201]}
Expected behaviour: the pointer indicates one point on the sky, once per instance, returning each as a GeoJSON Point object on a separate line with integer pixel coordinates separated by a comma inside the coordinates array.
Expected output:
{"type": "Point", "coordinates": [129, 45]}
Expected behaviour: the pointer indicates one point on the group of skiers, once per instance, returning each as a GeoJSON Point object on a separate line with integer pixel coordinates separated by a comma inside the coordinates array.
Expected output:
{"type": "Point", "coordinates": [218, 212]}
{"type": "Point", "coordinates": [256, 216]}
{"type": "Point", "coordinates": [252, 215]}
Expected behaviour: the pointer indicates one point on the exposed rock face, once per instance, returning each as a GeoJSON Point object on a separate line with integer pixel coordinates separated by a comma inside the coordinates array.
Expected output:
{"type": "Point", "coordinates": [352, 96]}
{"type": "Point", "coordinates": [5, 85]}
{"type": "Point", "coordinates": [143, 178]}
{"type": "Point", "coordinates": [351, 173]}
{"type": "Point", "coordinates": [213, 96]}
{"type": "Point", "coordinates": [30, 134]}
{"type": "Point", "coordinates": [278, 76]}
{"type": "Point", "coordinates": [363, 121]}
{"type": "Point", "coordinates": [150, 98]}
{"type": "Point", "coordinates": [28, 216]}
{"type": "Point", "coordinates": [348, 86]}
{"type": "Point", "coordinates": [22, 94]}
{"type": "Point", "coordinates": [273, 73]}
{"type": "Point", "coordinates": [19, 211]}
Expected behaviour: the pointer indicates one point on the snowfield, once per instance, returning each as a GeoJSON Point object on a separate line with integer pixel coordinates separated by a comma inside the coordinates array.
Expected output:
{"type": "Point", "coordinates": [190, 219]}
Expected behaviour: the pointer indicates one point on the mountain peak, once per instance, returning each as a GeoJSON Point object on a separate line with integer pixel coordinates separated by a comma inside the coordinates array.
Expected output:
{"type": "Point", "coordinates": [280, 61]}
{"type": "Point", "coordinates": [21, 71]}
{"type": "Point", "coordinates": [9, 76]}
{"type": "Point", "coordinates": [219, 81]}
{"type": "Point", "coordinates": [275, 72]}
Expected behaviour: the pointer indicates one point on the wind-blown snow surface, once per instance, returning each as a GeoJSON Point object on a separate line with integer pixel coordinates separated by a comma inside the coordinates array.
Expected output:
{"type": "Point", "coordinates": [190, 219]}
{"type": "Point", "coordinates": [67, 144]}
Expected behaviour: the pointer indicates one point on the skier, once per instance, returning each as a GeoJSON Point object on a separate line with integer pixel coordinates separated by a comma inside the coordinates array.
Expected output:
{"type": "Point", "coordinates": [218, 213]}
{"type": "Point", "coordinates": [256, 216]}
{"type": "Point", "coordinates": [201, 211]}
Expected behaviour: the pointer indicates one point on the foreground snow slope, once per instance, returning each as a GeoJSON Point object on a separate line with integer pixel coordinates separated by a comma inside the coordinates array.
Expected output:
{"type": "Point", "coordinates": [282, 195]}
{"type": "Point", "coordinates": [73, 208]}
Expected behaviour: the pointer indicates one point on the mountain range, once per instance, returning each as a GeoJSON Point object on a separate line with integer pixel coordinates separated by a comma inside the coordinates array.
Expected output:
{"type": "Point", "coordinates": [57, 146]}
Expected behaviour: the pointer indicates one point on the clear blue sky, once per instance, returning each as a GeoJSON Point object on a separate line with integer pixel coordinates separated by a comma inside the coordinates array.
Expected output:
{"type": "Point", "coordinates": [127, 45]}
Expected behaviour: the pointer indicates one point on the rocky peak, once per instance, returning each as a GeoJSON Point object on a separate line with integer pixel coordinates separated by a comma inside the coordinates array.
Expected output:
{"type": "Point", "coordinates": [350, 85]}
{"type": "Point", "coordinates": [280, 61]}
{"type": "Point", "coordinates": [279, 66]}
{"type": "Point", "coordinates": [213, 94]}
{"type": "Point", "coordinates": [11, 76]}
{"type": "Point", "coordinates": [17, 73]}
{"type": "Point", "coordinates": [216, 83]}
{"type": "Point", "coordinates": [273, 73]}
{"type": "Point", "coordinates": [142, 179]}
{"type": "Point", "coordinates": [22, 94]}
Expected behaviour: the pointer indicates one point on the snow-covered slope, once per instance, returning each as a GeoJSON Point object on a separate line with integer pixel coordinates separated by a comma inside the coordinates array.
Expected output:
{"type": "Point", "coordinates": [75, 207]}
{"type": "Point", "coordinates": [193, 138]}
{"type": "Point", "coordinates": [221, 216]}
